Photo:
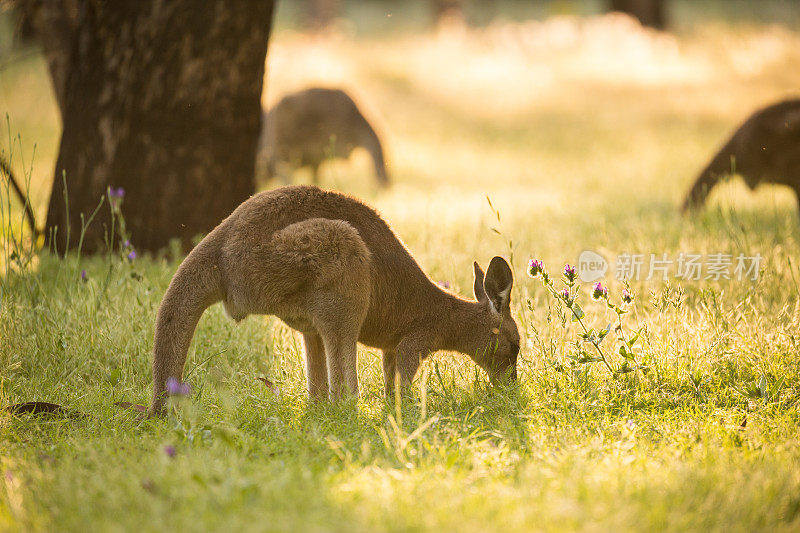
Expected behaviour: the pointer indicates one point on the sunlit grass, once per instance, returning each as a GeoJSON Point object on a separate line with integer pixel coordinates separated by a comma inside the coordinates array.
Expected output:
{"type": "Point", "coordinates": [584, 134]}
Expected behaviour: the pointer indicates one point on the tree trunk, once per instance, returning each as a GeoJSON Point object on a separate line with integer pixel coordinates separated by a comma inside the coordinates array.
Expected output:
{"type": "Point", "coordinates": [649, 12]}
{"type": "Point", "coordinates": [162, 99]}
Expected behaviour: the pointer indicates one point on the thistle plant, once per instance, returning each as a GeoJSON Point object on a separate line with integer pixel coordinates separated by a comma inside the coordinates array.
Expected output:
{"type": "Point", "coordinates": [116, 196]}
{"type": "Point", "coordinates": [569, 296]}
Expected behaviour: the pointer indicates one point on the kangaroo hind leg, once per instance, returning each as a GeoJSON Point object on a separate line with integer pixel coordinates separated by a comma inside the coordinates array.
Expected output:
{"type": "Point", "coordinates": [341, 354]}
{"type": "Point", "coordinates": [389, 371]}
{"type": "Point", "coordinates": [327, 280]}
{"type": "Point", "coordinates": [316, 366]}
{"type": "Point", "coordinates": [339, 315]}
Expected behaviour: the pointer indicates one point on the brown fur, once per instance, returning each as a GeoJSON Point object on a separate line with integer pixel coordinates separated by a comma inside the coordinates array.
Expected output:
{"type": "Point", "coordinates": [312, 126]}
{"type": "Point", "coordinates": [330, 267]}
{"type": "Point", "coordinates": [765, 149]}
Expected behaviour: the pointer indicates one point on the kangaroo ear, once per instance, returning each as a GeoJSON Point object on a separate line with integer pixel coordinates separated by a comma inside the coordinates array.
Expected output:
{"type": "Point", "coordinates": [497, 284]}
{"type": "Point", "coordinates": [477, 287]}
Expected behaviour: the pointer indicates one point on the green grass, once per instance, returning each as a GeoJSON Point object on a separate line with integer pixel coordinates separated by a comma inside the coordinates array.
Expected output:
{"type": "Point", "coordinates": [572, 159]}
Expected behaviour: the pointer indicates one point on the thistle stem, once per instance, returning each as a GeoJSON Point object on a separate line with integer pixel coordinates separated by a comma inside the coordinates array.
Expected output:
{"type": "Point", "coordinates": [549, 285]}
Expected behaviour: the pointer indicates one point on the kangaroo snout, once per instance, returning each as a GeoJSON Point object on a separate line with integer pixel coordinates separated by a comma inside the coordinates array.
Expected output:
{"type": "Point", "coordinates": [504, 376]}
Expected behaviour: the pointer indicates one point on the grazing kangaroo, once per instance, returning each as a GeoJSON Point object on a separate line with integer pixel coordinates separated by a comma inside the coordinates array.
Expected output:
{"type": "Point", "coordinates": [331, 268]}
{"type": "Point", "coordinates": [765, 149]}
{"type": "Point", "coordinates": [310, 126]}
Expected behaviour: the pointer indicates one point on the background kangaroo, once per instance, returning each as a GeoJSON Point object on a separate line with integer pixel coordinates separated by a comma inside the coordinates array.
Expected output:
{"type": "Point", "coordinates": [331, 268]}
{"type": "Point", "coordinates": [765, 149]}
{"type": "Point", "coordinates": [310, 126]}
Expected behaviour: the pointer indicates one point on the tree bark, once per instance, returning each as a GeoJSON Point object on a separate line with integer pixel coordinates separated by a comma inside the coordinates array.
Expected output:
{"type": "Point", "coordinates": [161, 98]}
{"type": "Point", "coordinates": [649, 12]}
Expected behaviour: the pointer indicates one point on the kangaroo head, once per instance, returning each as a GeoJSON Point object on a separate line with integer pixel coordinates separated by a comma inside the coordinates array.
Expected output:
{"type": "Point", "coordinates": [493, 292]}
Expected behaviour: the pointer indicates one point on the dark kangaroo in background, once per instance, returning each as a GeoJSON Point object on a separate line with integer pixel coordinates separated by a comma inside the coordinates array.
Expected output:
{"type": "Point", "coordinates": [331, 268]}
{"type": "Point", "coordinates": [311, 126]}
{"type": "Point", "coordinates": [765, 149]}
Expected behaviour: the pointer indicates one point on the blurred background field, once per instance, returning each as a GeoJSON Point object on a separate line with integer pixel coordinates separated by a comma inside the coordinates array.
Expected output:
{"type": "Point", "coordinates": [585, 131]}
{"type": "Point", "coordinates": [575, 121]}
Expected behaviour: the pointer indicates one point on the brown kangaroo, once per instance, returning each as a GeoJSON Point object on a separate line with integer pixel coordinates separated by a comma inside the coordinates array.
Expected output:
{"type": "Point", "coordinates": [311, 126]}
{"type": "Point", "coordinates": [331, 268]}
{"type": "Point", "coordinates": [765, 149]}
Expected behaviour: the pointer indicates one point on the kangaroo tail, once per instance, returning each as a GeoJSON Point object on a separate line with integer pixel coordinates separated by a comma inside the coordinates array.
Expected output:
{"type": "Point", "coordinates": [372, 143]}
{"type": "Point", "coordinates": [196, 285]}
{"type": "Point", "coordinates": [722, 164]}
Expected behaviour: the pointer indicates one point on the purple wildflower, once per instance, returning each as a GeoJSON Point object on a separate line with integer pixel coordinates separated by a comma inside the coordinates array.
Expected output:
{"type": "Point", "coordinates": [173, 385]}
{"type": "Point", "coordinates": [535, 267]}
{"type": "Point", "coordinates": [176, 388]}
{"type": "Point", "coordinates": [126, 243]}
{"type": "Point", "coordinates": [627, 297]}
{"type": "Point", "coordinates": [83, 276]}
{"type": "Point", "coordinates": [443, 284]}
{"type": "Point", "coordinates": [599, 291]}
{"type": "Point", "coordinates": [132, 255]}
{"type": "Point", "coordinates": [115, 197]}
{"type": "Point", "coordinates": [566, 296]}
{"type": "Point", "coordinates": [569, 273]}
{"type": "Point", "coordinates": [169, 449]}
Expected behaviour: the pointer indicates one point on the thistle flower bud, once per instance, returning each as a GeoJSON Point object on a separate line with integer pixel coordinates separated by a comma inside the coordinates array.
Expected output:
{"type": "Point", "coordinates": [566, 296]}
{"type": "Point", "coordinates": [627, 297]}
{"type": "Point", "coordinates": [599, 292]}
{"type": "Point", "coordinates": [535, 267]}
{"type": "Point", "coordinates": [569, 273]}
